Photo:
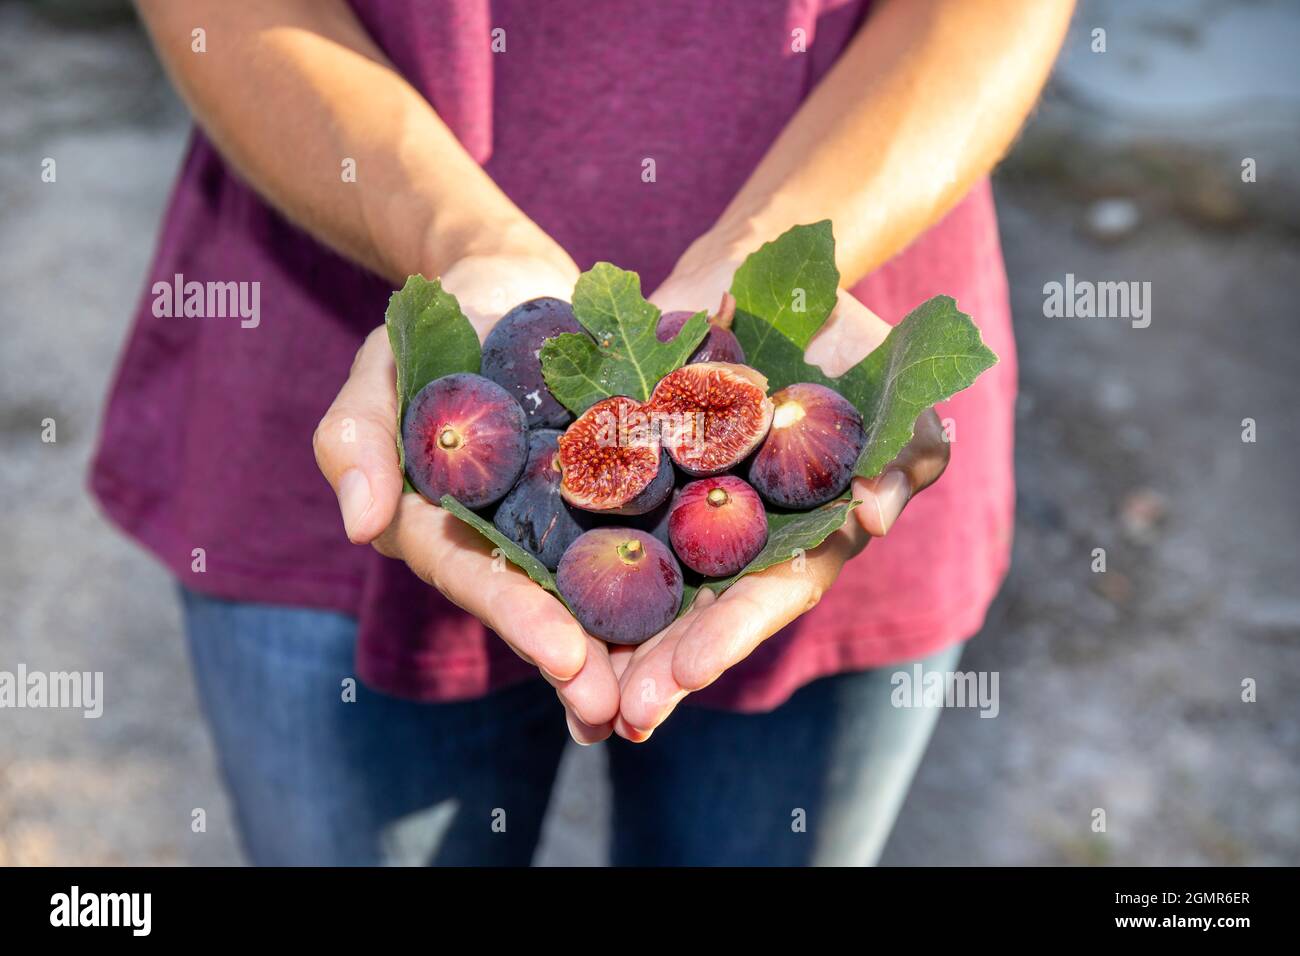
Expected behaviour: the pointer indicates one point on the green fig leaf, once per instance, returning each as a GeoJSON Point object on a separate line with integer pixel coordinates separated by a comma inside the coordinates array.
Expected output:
{"type": "Point", "coordinates": [786, 291]}
{"type": "Point", "coordinates": [623, 356]}
{"type": "Point", "coordinates": [430, 337]}
{"type": "Point", "coordinates": [509, 550]}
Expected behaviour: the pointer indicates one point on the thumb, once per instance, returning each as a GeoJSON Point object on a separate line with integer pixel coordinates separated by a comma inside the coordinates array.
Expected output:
{"type": "Point", "coordinates": [918, 465]}
{"type": "Point", "coordinates": [356, 442]}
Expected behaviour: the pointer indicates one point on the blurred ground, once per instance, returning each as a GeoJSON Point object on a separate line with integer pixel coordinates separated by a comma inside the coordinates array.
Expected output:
{"type": "Point", "coordinates": [1118, 691]}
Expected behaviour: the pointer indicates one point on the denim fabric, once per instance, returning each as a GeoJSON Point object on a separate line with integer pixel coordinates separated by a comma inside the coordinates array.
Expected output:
{"type": "Point", "coordinates": [317, 779]}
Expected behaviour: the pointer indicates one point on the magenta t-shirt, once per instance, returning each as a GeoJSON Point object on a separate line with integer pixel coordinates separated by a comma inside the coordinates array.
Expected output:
{"type": "Point", "coordinates": [206, 443]}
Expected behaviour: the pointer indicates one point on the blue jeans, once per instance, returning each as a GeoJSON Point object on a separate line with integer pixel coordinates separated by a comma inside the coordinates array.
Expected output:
{"type": "Point", "coordinates": [317, 780]}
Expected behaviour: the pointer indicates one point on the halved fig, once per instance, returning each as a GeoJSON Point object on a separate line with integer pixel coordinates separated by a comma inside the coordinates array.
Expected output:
{"type": "Point", "coordinates": [711, 415]}
{"type": "Point", "coordinates": [610, 460]}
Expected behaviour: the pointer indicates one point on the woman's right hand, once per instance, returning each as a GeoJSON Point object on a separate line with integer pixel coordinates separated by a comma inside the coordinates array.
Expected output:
{"type": "Point", "coordinates": [356, 450]}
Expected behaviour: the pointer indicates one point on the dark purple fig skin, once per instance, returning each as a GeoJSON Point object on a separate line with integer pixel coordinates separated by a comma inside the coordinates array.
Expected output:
{"type": "Point", "coordinates": [617, 595]}
{"type": "Point", "coordinates": [652, 522]}
{"type": "Point", "coordinates": [720, 345]}
{"type": "Point", "coordinates": [511, 357]}
{"type": "Point", "coordinates": [533, 515]}
{"type": "Point", "coordinates": [807, 461]}
{"type": "Point", "coordinates": [717, 540]}
{"type": "Point", "coordinates": [490, 435]}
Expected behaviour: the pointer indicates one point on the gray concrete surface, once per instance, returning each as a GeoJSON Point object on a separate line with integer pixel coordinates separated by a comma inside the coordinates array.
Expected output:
{"type": "Point", "coordinates": [1119, 691]}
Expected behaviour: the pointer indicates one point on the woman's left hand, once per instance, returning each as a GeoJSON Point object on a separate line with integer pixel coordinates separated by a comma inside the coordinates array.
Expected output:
{"type": "Point", "coordinates": [719, 632]}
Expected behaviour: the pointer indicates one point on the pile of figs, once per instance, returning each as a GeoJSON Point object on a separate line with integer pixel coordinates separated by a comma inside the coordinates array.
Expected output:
{"type": "Point", "coordinates": [617, 501]}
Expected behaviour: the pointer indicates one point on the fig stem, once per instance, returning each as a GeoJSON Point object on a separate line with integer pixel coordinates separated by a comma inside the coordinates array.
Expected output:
{"type": "Point", "coordinates": [630, 551]}
{"type": "Point", "coordinates": [717, 497]}
{"type": "Point", "coordinates": [726, 312]}
{"type": "Point", "coordinates": [447, 438]}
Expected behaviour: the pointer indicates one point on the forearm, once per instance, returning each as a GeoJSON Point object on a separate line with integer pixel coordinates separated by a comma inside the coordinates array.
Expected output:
{"type": "Point", "coordinates": [290, 89]}
{"type": "Point", "coordinates": [925, 100]}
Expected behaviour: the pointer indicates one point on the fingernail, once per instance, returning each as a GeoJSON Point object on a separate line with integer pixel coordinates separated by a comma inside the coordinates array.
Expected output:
{"type": "Point", "coordinates": [553, 678]}
{"type": "Point", "coordinates": [354, 499]}
{"type": "Point", "coordinates": [551, 637]}
{"type": "Point", "coordinates": [635, 734]}
{"type": "Point", "coordinates": [663, 713]}
{"type": "Point", "coordinates": [573, 730]}
{"type": "Point", "coordinates": [890, 495]}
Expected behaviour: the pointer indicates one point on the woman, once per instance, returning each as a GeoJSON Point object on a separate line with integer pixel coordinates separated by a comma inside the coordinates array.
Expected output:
{"type": "Point", "coordinates": [501, 146]}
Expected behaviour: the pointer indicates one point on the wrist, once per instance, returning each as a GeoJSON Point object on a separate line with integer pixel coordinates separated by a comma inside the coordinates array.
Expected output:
{"type": "Point", "coordinates": [706, 269]}
{"type": "Point", "coordinates": [748, 221]}
{"type": "Point", "coordinates": [739, 232]}
{"type": "Point", "coordinates": [724, 245]}
{"type": "Point", "coordinates": [510, 236]}
{"type": "Point", "coordinates": [490, 279]}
